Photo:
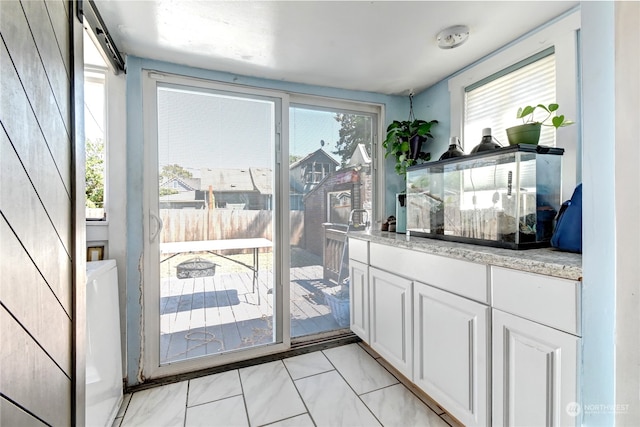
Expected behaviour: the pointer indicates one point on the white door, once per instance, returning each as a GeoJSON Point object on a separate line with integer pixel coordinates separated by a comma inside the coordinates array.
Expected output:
{"type": "Point", "coordinates": [451, 352]}
{"type": "Point", "coordinates": [213, 292]}
{"type": "Point", "coordinates": [534, 374]}
{"type": "Point", "coordinates": [390, 318]}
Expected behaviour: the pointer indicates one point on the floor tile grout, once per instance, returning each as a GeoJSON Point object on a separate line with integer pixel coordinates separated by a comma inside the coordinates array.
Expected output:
{"type": "Point", "coordinates": [118, 421]}
{"type": "Point", "coordinates": [244, 398]}
{"type": "Point", "coordinates": [401, 381]}
{"type": "Point", "coordinates": [298, 391]}
{"type": "Point", "coordinates": [186, 403]}
{"type": "Point", "coordinates": [214, 400]}
{"type": "Point", "coordinates": [349, 385]}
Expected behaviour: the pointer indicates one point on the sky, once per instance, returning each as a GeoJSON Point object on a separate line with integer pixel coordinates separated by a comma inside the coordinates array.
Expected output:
{"type": "Point", "coordinates": [212, 130]}
{"type": "Point", "coordinates": [308, 127]}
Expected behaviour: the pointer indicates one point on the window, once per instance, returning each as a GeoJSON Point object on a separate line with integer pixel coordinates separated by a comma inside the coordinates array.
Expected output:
{"type": "Point", "coordinates": [559, 36]}
{"type": "Point", "coordinates": [493, 101]}
{"type": "Point", "coordinates": [95, 137]}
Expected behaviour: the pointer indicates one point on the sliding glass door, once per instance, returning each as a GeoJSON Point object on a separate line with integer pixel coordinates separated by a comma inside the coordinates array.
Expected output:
{"type": "Point", "coordinates": [331, 176]}
{"type": "Point", "coordinates": [248, 199]}
{"type": "Point", "coordinates": [213, 203]}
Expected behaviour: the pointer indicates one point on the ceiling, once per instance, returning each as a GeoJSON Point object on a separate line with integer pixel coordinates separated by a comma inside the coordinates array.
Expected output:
{"type": "Point", "coordinates": [384, 47]}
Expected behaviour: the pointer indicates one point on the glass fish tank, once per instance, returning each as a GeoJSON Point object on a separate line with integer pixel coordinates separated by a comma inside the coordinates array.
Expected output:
{"type": "Point", "coordinates": [507, 197]}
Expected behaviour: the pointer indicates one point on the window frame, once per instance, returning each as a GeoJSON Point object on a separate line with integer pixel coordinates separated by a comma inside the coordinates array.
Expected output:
{"type": "Point", "coordinates": [94, 71]}
{"type": "Point", "coordinates": [562, 34]}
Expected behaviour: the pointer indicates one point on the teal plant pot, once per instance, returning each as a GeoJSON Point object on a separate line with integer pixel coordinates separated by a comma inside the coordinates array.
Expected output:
{"type": "Point", "coordinates": [401, 213]}
{"type": "Point", "coordinates": [528, 133]}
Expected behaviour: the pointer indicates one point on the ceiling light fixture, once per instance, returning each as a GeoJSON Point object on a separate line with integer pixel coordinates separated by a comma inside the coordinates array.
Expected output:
{"type": "Point", "coordinates": [453, 36]}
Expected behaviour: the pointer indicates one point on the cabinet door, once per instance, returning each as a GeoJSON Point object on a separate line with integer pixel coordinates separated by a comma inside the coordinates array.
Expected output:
{"type": "Point", "coordinates": [451, 352]}
{"type": "Point", "coordinates": [390, 311]}
{"type": "Point", "coordinates": [534, 373]}
{"type": "Point", "coordinates": [359, 296]}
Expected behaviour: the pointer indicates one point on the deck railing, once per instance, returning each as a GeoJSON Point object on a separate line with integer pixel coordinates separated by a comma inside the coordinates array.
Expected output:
{"type": "Point", "coordinates": [334, 247]}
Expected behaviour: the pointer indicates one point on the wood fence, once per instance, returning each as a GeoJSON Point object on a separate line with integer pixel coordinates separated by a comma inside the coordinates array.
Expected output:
{"type": "Point", "coordinates": [183, 225]}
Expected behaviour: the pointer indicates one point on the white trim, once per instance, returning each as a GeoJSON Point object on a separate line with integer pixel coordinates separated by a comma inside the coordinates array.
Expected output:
{"type": "Point", "coordinates": [562, 34]}
{"type": "Point", "coordinates": [342, 104]}
{"type": "Point", "coordinates": [151, 328]}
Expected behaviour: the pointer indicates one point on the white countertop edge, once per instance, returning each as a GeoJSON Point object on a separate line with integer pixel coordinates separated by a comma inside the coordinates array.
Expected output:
{"type": "Point", "coordinates": [546, 261]}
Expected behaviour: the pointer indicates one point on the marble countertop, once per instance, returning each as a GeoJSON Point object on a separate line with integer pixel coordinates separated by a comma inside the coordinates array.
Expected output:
{"type": "Point", "coordinates": [547, 261]}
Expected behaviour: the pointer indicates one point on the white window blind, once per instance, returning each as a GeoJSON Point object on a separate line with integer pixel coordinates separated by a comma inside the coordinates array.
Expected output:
{"type": "Point", "coordinates": [494, 101]}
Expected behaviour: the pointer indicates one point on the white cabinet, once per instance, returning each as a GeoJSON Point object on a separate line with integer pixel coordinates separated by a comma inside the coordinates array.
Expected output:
{"type": "Point", "coordinates": [492, 345]}
{"type": "Point", "coordinates": [534, 373]}
{"type": "Point", "coordinates": [451, 357]}
{"type": "Point", "coordinates": [359, 296]}
{"type": "Point", "coordinates": [390, 311]}
{"type": "Point", "coordinates": [536, 328]}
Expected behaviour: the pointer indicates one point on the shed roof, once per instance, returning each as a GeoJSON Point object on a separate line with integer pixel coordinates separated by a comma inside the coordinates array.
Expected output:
{"type": "Point", "coordinates": [262, 180]}
{"type": "Point", "coordinates": [319, 154]}
{"type": "Point", "coordinates": [237, 180]}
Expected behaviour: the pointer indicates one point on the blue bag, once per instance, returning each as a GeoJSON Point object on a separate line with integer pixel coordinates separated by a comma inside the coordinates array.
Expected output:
{"type": "Point", "coordinates": [567, 235]}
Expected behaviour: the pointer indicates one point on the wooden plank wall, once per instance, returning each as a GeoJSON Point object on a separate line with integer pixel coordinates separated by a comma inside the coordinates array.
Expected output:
{"type": "Point", "coordinates": [35, 214]}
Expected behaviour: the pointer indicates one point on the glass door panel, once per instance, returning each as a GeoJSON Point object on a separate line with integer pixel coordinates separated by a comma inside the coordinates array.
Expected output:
{"type": "Point", "coordinates": [215, 204]}
{"type": "Point", "coordinates": [330, 175]}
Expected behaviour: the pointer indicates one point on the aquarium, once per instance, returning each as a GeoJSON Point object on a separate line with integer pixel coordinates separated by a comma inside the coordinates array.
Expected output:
{"type": "Point", "coordinates": [507, 197]}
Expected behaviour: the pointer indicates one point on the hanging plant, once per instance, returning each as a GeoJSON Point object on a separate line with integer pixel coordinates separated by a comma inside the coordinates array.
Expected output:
{"type": "Point", "coordinates": [405, 140]}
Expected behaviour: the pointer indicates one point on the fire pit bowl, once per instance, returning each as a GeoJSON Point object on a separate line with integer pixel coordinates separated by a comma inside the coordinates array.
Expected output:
{"type": "Point", "coordinates": [195, 267]}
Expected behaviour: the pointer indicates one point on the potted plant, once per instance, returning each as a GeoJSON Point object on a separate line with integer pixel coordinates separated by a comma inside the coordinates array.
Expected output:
{"type": "Point", "coordinates": [337, 299]}
{"type": "Point", "coordinates": [405, 140]}
{"type": "Point", "coordinates": [529, 131]}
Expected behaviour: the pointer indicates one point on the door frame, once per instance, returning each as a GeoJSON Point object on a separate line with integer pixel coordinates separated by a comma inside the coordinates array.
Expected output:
{"type": "Point", "coordinates": [150, 344]}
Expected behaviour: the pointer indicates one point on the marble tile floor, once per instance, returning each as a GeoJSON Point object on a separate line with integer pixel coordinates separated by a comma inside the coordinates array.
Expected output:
{"type": "Point", "coordinates": [340, 386]}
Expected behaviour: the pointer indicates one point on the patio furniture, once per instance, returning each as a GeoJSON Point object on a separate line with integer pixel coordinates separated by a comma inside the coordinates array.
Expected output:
{"type": "Point", "coordinates": [215, 246]}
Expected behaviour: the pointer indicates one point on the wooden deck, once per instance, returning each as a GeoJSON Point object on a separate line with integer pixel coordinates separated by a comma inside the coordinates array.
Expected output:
{"type": "Point", "coordinates": [208, 315]}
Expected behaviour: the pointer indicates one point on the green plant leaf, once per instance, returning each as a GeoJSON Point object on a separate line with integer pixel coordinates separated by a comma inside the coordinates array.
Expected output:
{"type": "Point", "coordinates": [552, 107]}
{"type": "Point", "coordinates": [394, 125]}
{"type": "Point", "coordinates": [557, 121]}
{"type": "Point", "coordinates": [544, 107]}
{"type": "Point", "coordinates": [425, 127]}
{"type": "Point", "coordinates": [523, 112]}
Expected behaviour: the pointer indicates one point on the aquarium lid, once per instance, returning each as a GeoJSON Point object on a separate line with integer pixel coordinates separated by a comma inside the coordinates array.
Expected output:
{"type": "Point", "coordinates": [522, 148]}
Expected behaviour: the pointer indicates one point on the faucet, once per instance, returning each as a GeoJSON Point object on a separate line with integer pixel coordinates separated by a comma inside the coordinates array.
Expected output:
{"type": "Point", "coordinates": [365, 219]}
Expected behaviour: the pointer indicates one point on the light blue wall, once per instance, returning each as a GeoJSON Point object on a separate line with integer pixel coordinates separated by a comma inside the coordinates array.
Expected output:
{"type": "Point", "coordinates": [598, 176]}
{"type": "Point", "coordinates": [435, 104]}
{"type": "Point", "coordinates": [396, 107]}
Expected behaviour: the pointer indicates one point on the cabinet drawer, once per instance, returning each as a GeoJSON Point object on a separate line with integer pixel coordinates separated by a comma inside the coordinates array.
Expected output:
{"type": "Point", "coordinates": [464, 278]}
{"type": "Point", "coordinates": [359, 250]}
{"type": "Point", "coordinates": [547, 300]}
